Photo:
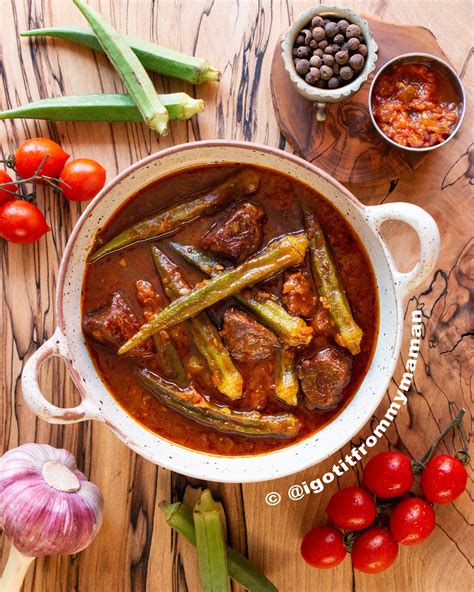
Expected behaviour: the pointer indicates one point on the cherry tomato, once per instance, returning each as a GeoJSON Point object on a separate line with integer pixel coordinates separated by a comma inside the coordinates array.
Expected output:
{"type": "Point", "coordinates": [4, 196]}
{"type": "Point", "coordinates": [388, 474]}
{"type": "Point", "coordinates": [352, 508]}
{"type": "Point", "coordinates": [83, 179]}
{"type": "Point", "coordinates": [374, 551]}
{"type": "Point", "coordinates": [31, 153]}
{"type": "Point", "coordinates": [323, 547]}
{"type": "Point", "coordinates": [412, 521]}
{"type": "Point", "coordinates": [22, 222]}
{"type": "Point", "coordinates": [443, 479]}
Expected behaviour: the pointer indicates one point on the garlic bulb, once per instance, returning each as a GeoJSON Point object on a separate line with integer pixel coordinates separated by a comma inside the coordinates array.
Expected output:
{"type": "Point", "coordinates": [47, 507]}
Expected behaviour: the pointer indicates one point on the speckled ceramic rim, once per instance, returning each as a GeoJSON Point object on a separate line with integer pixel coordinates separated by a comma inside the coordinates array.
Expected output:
{"type": "Point", "coordinates": [97, 403]}
{"type": "Point", "coordinates": [422, 58]}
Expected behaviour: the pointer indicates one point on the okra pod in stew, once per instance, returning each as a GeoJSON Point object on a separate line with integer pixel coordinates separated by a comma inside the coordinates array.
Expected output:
{"type": "Point", "coordinates": [230, 309]}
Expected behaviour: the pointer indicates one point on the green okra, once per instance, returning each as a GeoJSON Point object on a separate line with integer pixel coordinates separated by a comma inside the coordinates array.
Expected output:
{"type": "Point", "coordinates": [102, 107]}
{"type": "Point", "coordinates": [179, 517]}
{"type": "Point", "coordinates": [243, 183]}
{"type": "Point", "coordinates": [330, 286]}
{"type": "Point", "coordinates": [153, 57]}
{"type": "Point", "coordinates": [129, 68]}
{"type": "Point", "coordinates": [190, 403]}
{"type": "Point", "coordinates": [283, 252]}
{"type": "Point", "coordinates": [293, 330]}
{"type": "Point", "coordinates": [210, 544]}
{"type": "Point", "coordinates": [204, 333]}
{"type": "Point", "coordinates": [286, 379]}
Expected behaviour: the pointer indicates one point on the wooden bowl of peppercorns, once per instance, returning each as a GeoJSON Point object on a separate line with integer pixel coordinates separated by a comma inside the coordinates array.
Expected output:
{"type": "Point", "coordinates": [328, 53]}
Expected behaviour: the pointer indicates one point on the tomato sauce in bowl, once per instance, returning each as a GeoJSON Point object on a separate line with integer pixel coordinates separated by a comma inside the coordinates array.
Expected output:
{"type": "Point", "coordinates": [415, 105]}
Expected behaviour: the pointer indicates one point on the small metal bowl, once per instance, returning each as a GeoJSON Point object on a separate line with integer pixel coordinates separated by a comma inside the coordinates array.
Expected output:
{"type": "Point", "coordinates": [438, 65]}
{"type": "Point", "coordinates": [321, 96]}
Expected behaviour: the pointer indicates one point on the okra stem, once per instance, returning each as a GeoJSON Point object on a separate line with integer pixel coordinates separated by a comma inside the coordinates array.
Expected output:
{"type": "Point", "coordinates": [204, 333]}
{"type": "Point", "coordinates": [279, 254]}
{"type": "Point", "coordinates": [129, 68]}
{"type": "Point", "coordinates": [243, 183]}
{"type": "Point", "coordinates": [210, 544]}
{"type": "Point", "coordinates": [153, 57]}
{"type": "Point", "coordinates": [106, 107]}
{"type": "Point", "coordinates": [293, 330]}
{"type": "Point", "coordinates": [190, 403]}
{"type": "Point", "coordinates": [329, 284]}
{"type": "Point", "coordinates": [179, 517]}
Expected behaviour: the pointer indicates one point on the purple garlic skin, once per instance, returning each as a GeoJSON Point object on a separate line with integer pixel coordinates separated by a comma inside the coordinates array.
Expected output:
{"type": "Point", "coordinates": [47, 506]}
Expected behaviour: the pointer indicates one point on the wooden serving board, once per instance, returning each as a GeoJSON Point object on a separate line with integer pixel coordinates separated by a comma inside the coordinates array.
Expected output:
{"type": "Point", "coordinates": [346, 145]}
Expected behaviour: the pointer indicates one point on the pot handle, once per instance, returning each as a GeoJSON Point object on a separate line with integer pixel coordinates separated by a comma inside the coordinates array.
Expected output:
{"type": "Point", "coordinates": [55, 346]}
{"type": "Point", "coordinates": [428, 235]}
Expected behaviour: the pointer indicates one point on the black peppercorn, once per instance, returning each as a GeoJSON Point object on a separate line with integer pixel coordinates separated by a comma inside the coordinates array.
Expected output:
{"type": "Point", "coordinates": [328, 60]}
{"type": "Point", "coordinates": [356, 62]}
{"type": "Point", "coordinates": [318, 33]}
{"type": "Point", "coordinates": [299, 40]}
{"type": "Point", "coordinates": [302, 67]}
{"type": "Point", "coordinates": [325, 72]}
{"type": "Point", "coordinates": [346, 73]}
{"type": "Point", "coordinates": [330, 29]}
{"type": "Point", "coordinates": [317, 21]}
{"type": "Point", "coordinates": [342, 57]}
{"type": "Point", "coordinates": [312, 76]}
{"type": "Point", "coordinates": [353, 43]}
{"type": "Point", "coordinates": [342, 26]}
{"type": "Point", "coordinates": [363, 50]}
{"type": "Point", "coordinates": [352, 31]}
{"type": "Point", "coordinates": [339, 39]}
{"type": "Point", "coordinates": [315, 61]}
{"type": "Point", "coordinates": [333, 82]}
{"type": "Point", "coordinates": [303, 52]}
{"type": "Point", "coordinates": [307, 36]}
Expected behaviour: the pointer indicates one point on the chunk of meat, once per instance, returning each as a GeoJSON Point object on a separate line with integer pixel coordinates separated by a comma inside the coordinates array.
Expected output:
{"type": "Point", "coordinates": [239, 234]}
{"type": "Point", "coordinates": [247, 340]}
{"type": "Point", "coordinates": [321, 323]}
{"type": "Point", "coordinates": [114, 325]}
{"type": "Point", "coordinates": [324, 376]}
{"type": "Point", "coordinates": [298, 294]}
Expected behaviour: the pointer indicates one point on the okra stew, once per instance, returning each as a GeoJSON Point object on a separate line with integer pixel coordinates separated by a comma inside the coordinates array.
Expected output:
{"type": "Point", "coordinates": [230, 309]}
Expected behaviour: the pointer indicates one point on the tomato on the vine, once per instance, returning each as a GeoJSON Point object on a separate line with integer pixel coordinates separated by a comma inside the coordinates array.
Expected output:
{"type": "Point", "coordinates": [82, 178]}
{"type": "Point", "coordinates": [443, 479]}
{"type": "Point", "coordinates": [352, 508]}
{"type": "Point", "coordinates": [388, 474]}
{"type": "Point", "coordinates": [374, 551]}
{"type": "Point", "coordinates": [22, 222]}
{"type": "Point", "coordinates": [4, 195]}
{"type": "Point", "coordinates": [32, 153]}
{"type": "Point", "coordinates": [412, 521]}
{"type": "Point", "coordinates": [323, 547]}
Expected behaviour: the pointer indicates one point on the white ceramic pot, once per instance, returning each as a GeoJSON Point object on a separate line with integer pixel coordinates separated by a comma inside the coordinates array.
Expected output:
{"type": "Point", "coordinates": [97, 403]}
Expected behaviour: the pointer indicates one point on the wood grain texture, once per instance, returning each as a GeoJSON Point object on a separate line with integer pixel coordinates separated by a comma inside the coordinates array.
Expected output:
{"type": "Point", "coordinates": [135, 550]}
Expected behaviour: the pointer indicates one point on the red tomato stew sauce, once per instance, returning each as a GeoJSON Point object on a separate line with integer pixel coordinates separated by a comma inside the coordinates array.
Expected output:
{"type": "Point", "coordinates": [414, 105]}
{"type": "Point", "coordinates": [255, 371]}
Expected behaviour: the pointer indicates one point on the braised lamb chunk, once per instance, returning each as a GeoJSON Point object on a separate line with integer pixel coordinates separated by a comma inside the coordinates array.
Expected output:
{"type": "Point", "coordinates": [298, 293]}
{"type": "Point", "coordinates": [115, 325]}
{"type": "Point", "coordinates": [239, 234]}
{"type": "Point", "coordinates": [324, 376]}
{"type": "Point", "coordinates": [247, 340]}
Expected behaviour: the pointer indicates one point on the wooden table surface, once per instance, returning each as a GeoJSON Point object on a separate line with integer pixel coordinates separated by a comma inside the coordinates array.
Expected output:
{"type": "Point", "coordinates": [135, 549]}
